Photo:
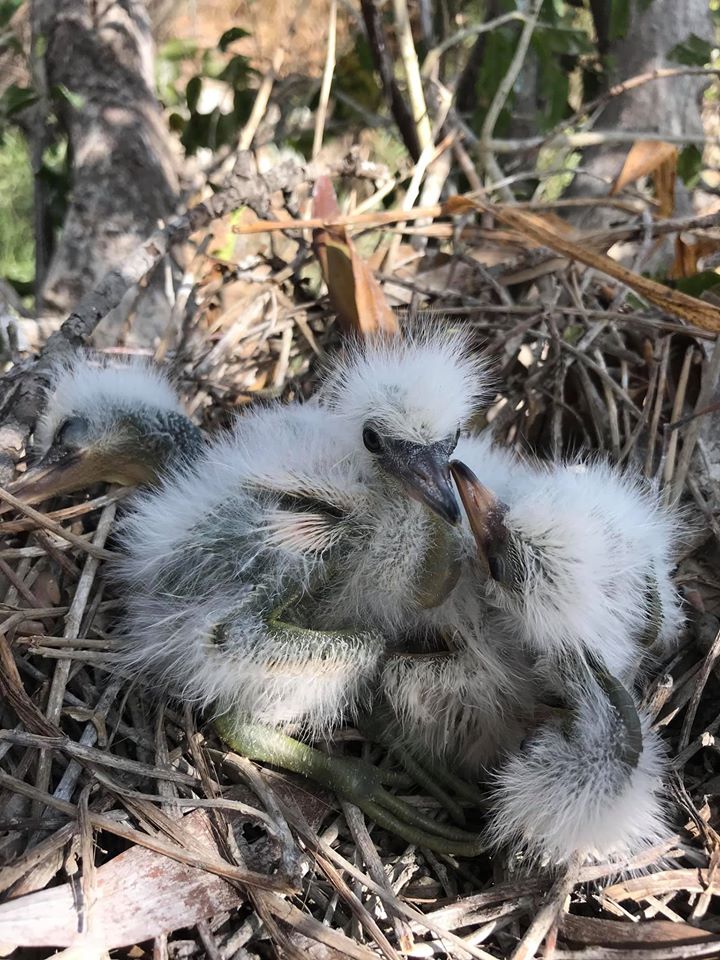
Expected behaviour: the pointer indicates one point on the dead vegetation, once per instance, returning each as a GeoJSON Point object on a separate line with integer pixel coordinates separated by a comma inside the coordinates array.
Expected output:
{"type": "Point", "coordinates": [123, 822]}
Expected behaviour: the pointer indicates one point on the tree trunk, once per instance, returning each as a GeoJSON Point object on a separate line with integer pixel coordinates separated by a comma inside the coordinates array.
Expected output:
{"type": "Point", "coordinates": [670, 106]}
{"type": "Point", "coordinates": [123, 175]}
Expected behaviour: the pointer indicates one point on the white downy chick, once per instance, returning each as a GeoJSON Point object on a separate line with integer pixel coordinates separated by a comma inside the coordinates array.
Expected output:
{"type": "Point", "coordinates": [577, 560]}
{"type": "Point", "coordinates": [266, 578]}
{"type": "Point", "coordinates": [215, 557]}
{"type": "Point", "coordinates": [114, 420]}
{"type": "Point", "coordinates": [584, 561]}
{"type": "Point", "coordinates": [334, 512]}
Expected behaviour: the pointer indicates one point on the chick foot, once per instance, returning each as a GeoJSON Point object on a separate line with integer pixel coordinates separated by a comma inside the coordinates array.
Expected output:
{"type": "Point", "coordinates": [381, 726]}
{"type": "Point", "coordinates": [355, 780]}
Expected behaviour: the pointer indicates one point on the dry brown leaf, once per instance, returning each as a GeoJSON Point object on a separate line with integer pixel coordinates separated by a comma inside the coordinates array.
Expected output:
{"type": "Point", "coordinates": [686, 258]}
{"type": "Point", "coordinates": [664, 183]}
{"type": "Point", "coordinates": [690, 249]}
{"type": "Point", "coordinates": [355, 294]}
{"type": "Point", "coordinates": [644, 157]}
{"type": "Point", "coordinates": [694, 311]}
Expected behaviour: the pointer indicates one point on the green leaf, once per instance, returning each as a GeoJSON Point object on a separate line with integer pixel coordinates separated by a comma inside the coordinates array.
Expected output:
{"type": "Point", "coordinates": [76, 100]}
{"type": "Point", "coordinates": [556, 52]}
{"type": "Point", "coordinates": [212, 65]}
{"type": "Point", "coordinates": [197, 131]}
{"type": "Point", "coordinates": [243, 101]}
{"type": "Point", "coordinates": [619, 18]}
{"type": "Point", "coordinates": [499, 50]}
{"type": "Point", "coordinates": [572, 333]}
{"type": "Point", "coordinates": [15, 98]}
{"type": "Point", "coordinates": [689, 165]}
{"type": "Point", "coordinates": [562, 40]}
{"type": "Point", "coordinates": [226, 129]}
{"type": "Point", "coordinates": [234, 33]}
{"type": "Point", "coordinates": [177, 122]}
{"type": "Point", "coordinates": [8, 9]}
{"type": "Point", "coordinates": [236, 72]}
{"type": "Point", "coordinates": [178, 50]}
{"type": "Point", "coordinates": [698, 284]}
{"type": "Point", "coordinates": [694, 51]}
{"type": "Point", "coordinates": [40, 45]}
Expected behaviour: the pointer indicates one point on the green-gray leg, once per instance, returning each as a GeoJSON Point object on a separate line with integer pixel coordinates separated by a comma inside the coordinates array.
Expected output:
{"type": "Point", "coordinates": [301, 653]}
{"type": "Point", "coordinates": [624, 705]}
{"type": "Point", "coordinates": [381, 726]}
{"type": "Point", "coordinates": [621, 701]}
{"type": "Point", "coordinates": [355, 780]}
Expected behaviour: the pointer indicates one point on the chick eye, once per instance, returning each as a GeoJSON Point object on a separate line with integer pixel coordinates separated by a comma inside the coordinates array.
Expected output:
{"type": "Point", "coordinates": [72, 433]}
{"type": "Point", "coordinates": [497, 568]}
{"type": "Point", "coordinates": [371, 439]}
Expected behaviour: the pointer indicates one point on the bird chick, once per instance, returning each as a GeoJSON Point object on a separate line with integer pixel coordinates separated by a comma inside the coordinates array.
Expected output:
{"type": "Point", "coordinates": [576, 561]}
{"type": "Point", "coordinates": [401, 404]}
{"type": "Point", "coordinates": [266, 577]}
{"type": "Point", "coordinates": [119, 422]}
{"type": "Point", "coordinates": [218, 557]}
{"type": "Point", "coordinates": [335, 511]}
{"type": "Point", "coordinates": [579, 557]}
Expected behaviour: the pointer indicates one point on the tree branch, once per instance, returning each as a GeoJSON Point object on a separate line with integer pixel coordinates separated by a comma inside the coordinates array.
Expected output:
{"type": "Point", "coordinates": [421, 118]}
{"type": "Point", "coordinates": [384, 66]}
{"type": "Point", "coordinates": [24, 385]}
{"type": "Point", "coordinates": [485, 150]}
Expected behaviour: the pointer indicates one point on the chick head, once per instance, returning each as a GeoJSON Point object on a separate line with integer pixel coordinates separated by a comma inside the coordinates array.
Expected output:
{"type": "Point", "coordinates": [406, 402]}
{"type": "Point", "coordinates": [113, 422]}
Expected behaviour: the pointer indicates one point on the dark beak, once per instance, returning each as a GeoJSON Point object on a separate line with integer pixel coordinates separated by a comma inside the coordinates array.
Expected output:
{"type": "Point", "coordinates": [72, 472]}
{"type": "Point", "coordinates": [485, 514]}
{"type": "Point", "coordinates": [425, 472]}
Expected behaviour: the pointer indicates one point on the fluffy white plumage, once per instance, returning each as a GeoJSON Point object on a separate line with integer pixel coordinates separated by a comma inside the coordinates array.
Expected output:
{"type": "Point", "coordinates": [465, 708]}
{"type": "Point", "coordinates": [588, 562]}
{"type": "Point", "coordinates": [99, 389]}
{"type": "Point", "coordinates": [290, 505]}
{"type": "Point", "coordinates": [215, 550]}
{"type": "Point", "coordinates": [597, 551]}
{"type": "Point", "coordinates": [291, 509]}
{"type": "Point", "coordinates": [423, 386]}
{"type": "Point", "coordinates": [563, 794]}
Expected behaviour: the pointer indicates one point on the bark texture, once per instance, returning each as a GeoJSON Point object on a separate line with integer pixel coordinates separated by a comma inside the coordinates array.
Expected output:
{"type": "Point", "coordinates": [124, 179]}
{"type": "Point", "coordinates": [670, 106]}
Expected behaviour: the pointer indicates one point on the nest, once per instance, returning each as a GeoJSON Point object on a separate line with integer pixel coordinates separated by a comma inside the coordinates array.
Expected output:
{"type": "Point", "coordinates": [146, 835]}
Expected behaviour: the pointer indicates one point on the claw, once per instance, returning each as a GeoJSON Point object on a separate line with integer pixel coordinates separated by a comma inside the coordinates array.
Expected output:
{"type": "Point", "coordinates": [355, 780]}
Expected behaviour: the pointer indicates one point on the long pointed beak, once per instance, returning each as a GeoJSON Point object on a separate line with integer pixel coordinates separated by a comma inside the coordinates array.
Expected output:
{"type": "Point", "coordinates": [485, 514]}
{"type": "Point", "coordinates": [46, 480]}
{"type": "Point", "coordinates": [425, 473]}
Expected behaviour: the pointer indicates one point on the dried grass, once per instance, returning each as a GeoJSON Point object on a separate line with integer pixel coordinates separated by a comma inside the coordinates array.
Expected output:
{"type": "Point", "coordinates": [130, 815]}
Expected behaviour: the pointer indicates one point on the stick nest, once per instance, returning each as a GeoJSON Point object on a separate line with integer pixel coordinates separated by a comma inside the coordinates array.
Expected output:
{"type": "Point", "coordinates": [130, 814]}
